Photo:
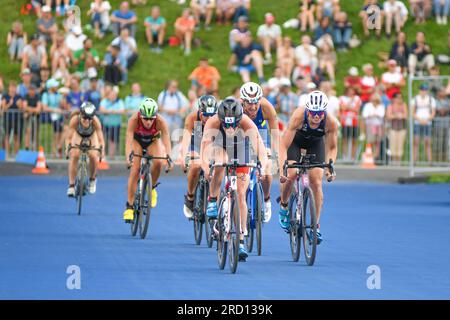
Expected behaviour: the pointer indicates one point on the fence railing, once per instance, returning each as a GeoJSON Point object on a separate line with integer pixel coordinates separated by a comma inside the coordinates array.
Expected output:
{"type": "Point", "coordinates": [19, 130]}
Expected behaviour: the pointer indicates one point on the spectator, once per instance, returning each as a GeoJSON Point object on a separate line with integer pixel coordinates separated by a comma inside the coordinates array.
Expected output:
{"type": "Point", "coordinates": [22, 88]}
{"type": "Point", "coordinates": [2, 87]}
{"type": "Point", "coordinates": [333, 101]}
{"type": "Point", "coordinates": [353, 80]}
{"type": "Point", "coordinates": [249, 59]}
{"type": "Point", "coordinates": [37, 6]}
{"type": "Point", "coordinates": [277, 79]}
{"type": "Point", "coordinates": [442, 104]}
{"type": "Point", "coordinates": [420, 56]}
{"type": "Point", "coordinates": [205, 78]}
{"type": "Point", "coordinates": [32, 108]}
{"type": "Point", "coordinates": [269, 94]}
{"type": "Point", "coordinates": [269, 35]}
{"type": "Point", "coordinates": [203, 9]}
{"type": "Point", "coordinates": [421, 10]}
{"type": "Point", "coordinates": [349, 105]}
{"type": "Point", "coordinates": [435, 84]}
{"type": "Point", "coordinates": [286, 101]}
{"type": "Point", "coordinates": [16, 41]}
{"type": "Point", "coordinates": [86, 58]}
{"type": "Point", "coordinates": [72, 20]}
{"type": "Point", "coordinates": [368, 83]}
{"type": "Point", "coordinates": [133, 100]}
{"type": "Point", "coordinates": [139, 2]}
{"type": "Point", "coordinates": [328, 59]}
{"type": "Point", "coordinates": [396, 13]}
{"type": "Point", "coordinates": [34, 55]}
{"type": "Point", "coordinates": [172, 104]}
{"type": "Point", "coordinates": [306, 15]}
{"type": "Point", "coordinates": [93, 93]}
{"type": "Point", "coordinates": [396, 115]}
{"type": "Point", "coordinates": [46, 26]}
{"type": "Point", "coordinates": [75, 97]}
{"type": "Point", "coordinates": [100, 18]}
{"type": "Point", "coordinates": [60, 56]}
{"type": "Point", "coordinates": [392, 79]}
{"type": "Point", "coordinates": [41, 80]}
{"type": "Point", "coordinates": [373, 114]}
{"type": "Point", "coordinates": [400, 51]}
{"type": "Point", "coordinates": [112, 108]}
{"type": "Point", "coordinates": [241, 30]}
{"type": "Point", "coordinates": [224, 11]}
{"type": "Point", "coordinates": [241, 8]}
{"type": "Point", "coordinates": [441, 10]}
{"type": "Point", "coordinates": [424, 111]}
{"type": "Point", "coordinates": [155, 29]}
{"type": "Point", "coordinates": [184, 30]}
{"type": "Point", "coordinates": [13, 121]}
{"type": "Point", "coordinates": [310, 87]}
{"type": "Point", "coordinates": [322, 29]}
{"type": "Point", "coordinates": [342, 31]}
{"type": "Point", "coordinates": [372, 17]}
{"type": "Point", "coordinates": [75, 39]}
{"type": "Point", "coordinates": [128, 48]}
{"type": "Point", "coordinates": [124, 18]}
{"type": "Point", "coordinates": [306, 58]}
{"type": "Point", "coordinates": [115, 66]}
{"type": "Point", "coordinates": [286, 57]}
{"type": "Point", "coordinates": [441, 127]}
{"type": "Point", "coordinates": [52, 101]}
{"type": "Point", "coordinates": [59, 7]}
{"type": "Point", "coordinates": [327, 8]}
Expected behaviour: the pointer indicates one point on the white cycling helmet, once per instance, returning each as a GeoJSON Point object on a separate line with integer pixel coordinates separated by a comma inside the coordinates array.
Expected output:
{"type": "Point", "coordinates": [251, 92]}
{"type": "Point", "coordinates": [317, 101]}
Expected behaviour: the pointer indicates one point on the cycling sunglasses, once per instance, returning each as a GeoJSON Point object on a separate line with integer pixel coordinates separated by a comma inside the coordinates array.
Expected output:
{"type": "Point", "coordinates": [316, 113]}
{"type": "Point", "coordinates": [230, 122]}
{"type": "Point", "coordinates": [148, 119]}
{"type": "Point", "coordinates": [251, 101]}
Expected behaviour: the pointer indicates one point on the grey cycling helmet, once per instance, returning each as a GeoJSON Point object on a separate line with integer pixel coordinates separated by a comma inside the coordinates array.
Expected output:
{"type": "Point", "coordinates": [207, 104]}
{"type": "Point", "coordinates": [87, 110]}
{"type": "Point", "coordinates": [230, 112]}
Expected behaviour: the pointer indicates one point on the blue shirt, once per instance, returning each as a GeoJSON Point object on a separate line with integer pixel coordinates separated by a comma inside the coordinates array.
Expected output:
{"type": "Point", "coordinates": [75, 99]}
{"type": "Point", "coordinates": [94, 97]}
{"type": "Point", "coordinates": [132, 102]}
{"type": "Point", "coordinates": [22, 90]}
{"type": "Point", "coordinates": [112, 120]}
{"type": "Point", "coordinates": [126, 16]}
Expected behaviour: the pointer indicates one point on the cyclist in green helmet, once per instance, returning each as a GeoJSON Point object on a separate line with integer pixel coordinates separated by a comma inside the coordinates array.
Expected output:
{"type": "Point", "coordinates": [146, 130]}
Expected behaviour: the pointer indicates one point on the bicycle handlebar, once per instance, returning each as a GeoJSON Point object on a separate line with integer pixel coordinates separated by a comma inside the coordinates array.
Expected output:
{"type": "Point", "coordinates": [149, 157]}
{"type": "Point", "coordinates": [298, 165]}
{"type": "Point", "coordinates": [83, 148]}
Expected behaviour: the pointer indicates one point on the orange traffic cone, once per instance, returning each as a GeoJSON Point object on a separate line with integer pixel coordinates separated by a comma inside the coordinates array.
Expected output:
{"type": "Point", "coordinates": [41, 166]}
{"type": "Point", "coordinates": [367, 158]}
{"type": "Point", "coordinates": [103, 165]}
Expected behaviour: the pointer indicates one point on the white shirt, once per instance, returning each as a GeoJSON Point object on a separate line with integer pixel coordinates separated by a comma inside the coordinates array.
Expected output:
{"type": "Point", "coordinates": [388, 7]}
{"type": "Point", "coordinates": [424, 106]}
{"type": "Point", "coordinates": [275, 83]}
{"type": "Point", "coordinates": [75, 43]}
{"type": "Point", "coordinates": [333, 106]}
{"type": "Point", "coordinates": [273, 31]}
{"type": "Point", "coordinates": [374, 115]}
{"type": "Point", "coordinates": [126, 47]}
{"type": "Point", "coordinates": [172, 102]}
{"type": "Point", "coordinates": [391, 77]}
{"type": "Point", "coordinates": [106, 6]}
{"type": "Point", "coordinates": [305, 57]}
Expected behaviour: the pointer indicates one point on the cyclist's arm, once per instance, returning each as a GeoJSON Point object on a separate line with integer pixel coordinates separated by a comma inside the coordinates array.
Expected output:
{"type": "Point", "coordinates": [98, 129]}
{"type": "Point", "coordinates": [72, 127]}
{"type": "Point", "coordinates": [331, 138]}
{"type": "Point", "coordinates": [132, 123]}
{"type": "Point", "coordinates": [211, 127]}
{"type": "Point", "coordinates": [252, 132]}
{"type": "Point", "coordinates": [163, 127]}
{"type": "Point", "coordinates": [288, 136]}
{"type": "Point", "coordinates": [271, 115]}
{"type": "Point", "coordinates": [187, 132]}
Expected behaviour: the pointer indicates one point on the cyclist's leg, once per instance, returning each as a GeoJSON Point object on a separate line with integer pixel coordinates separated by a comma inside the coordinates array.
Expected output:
{"type": "Point", "coordinates": [219, 156]}
{"type": "Point", "coordinates": [134, 173]}
{"type": "Point", "coordinates": [316, 175]}
{"type": "Point", "coordinates": [266, 184]}
{"type": "Point", "coordinates": [156, 149]}
{"type": "Point", "coordinates": [74, 156]}
{"type": "Point", "coordinates": [193, 174]}
{"type": "Point", "coordinates": [93, 156]}
{"type": "Point", "coordinates": [242, 186]}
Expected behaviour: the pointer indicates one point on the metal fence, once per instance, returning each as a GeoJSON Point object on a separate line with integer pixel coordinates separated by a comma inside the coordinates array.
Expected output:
{"type": "Point", "coordinates": [19, 130]}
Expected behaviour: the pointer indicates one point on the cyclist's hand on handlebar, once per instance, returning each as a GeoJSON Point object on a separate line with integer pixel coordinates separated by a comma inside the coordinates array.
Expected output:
{"type": "Point", "coordinates": [169, 164]}
{"type": "Point", "coordinates": [130, 160]}
{"type": "Point", "coordinates": [330, 176]}
{"type": "Point", "coordinates": [283, 178]}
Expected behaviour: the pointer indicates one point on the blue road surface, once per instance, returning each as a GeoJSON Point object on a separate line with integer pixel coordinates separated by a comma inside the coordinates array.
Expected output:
{"type": "Point", "coordinates": [402, 229]}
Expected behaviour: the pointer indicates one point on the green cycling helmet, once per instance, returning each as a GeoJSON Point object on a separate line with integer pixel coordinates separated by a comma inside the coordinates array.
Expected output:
{"type": "Point", "coordinates": [148, 108]}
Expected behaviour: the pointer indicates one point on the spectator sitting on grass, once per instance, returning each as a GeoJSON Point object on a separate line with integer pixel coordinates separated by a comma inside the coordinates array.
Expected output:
{"type": "Point", "coordinates": [224, 11]}
{"type": "Point", "coordinates": [328, 59]}
{"type": "Point", "coordinates": [241, 30]}
{"type": "Point", "coordinates": [72, 19]}
{"type": "Point", "coordinates": [115, 66]}
{"type": "Point", "coordinates": [184, 30]}
{"type": "Point", "coordinates": [241, 8]}
{"type": "Point", "coordinates": [441, 10]}
{"type": "Point", "coordinates": [421, 10]}
{"type": "Point", "coordinates": [277, 79]}
{"type": "Point", "coordinates": [205, 78]}
{"type": "Point", "coordinates": [203, 9]}
{"type": "Point", "coordinates": [16, 41]}
{"type": "Point", "coordinates": [269, 35]}
{"type": "Point", "coordinates": [46, 26]}
{"type": "Point", "coordinates": [286, 57]}
{"type": "Point", "coordinates": [342, 31]}
{"type": "Point", "coordinates": [396, 13]}
{"type": "Point", "coordinates": [420, 56]}
{"type": "Point", "coordinates": [124, 18]}
{"type": "Point", "coordinates": [327, 8]}
{"type": "Point", "coordinates": [100, 19]}
{"type": "Point", "coordinates": [34, 55]}
{"type": "Point", "coordinates": [249, 59]}
{"type": "Point", "coordinates": [128, 47]}
{"type": "Point", "coordinates": [75, 39]}
{"type": "Point", "coordinates": [306, 58]}
{"type": "Point", "coordinates": [61, 57]}
{"type": "Point", "coordinates": [400, 51]}
{"type": "Point", "coordinates": [155, 29]}
{"type": "Point", "coordinates": [374, 10]}
{"type": "Point", "coordinates": [324, 28]}
{"type": "Point", "coordinates": [306, 15]}
{"type": "Point", "coordinates": [86, 58]}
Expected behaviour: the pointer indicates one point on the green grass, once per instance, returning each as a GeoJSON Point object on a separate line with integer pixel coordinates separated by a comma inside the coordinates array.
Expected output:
{"type": "Point", "coordinates": [439, 178]}
{"type": "Point", "coordinates": [152, 70]}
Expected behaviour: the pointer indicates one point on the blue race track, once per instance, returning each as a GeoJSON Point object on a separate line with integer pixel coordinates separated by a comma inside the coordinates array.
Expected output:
{"type": "Point", "coordinates": [403, 229]}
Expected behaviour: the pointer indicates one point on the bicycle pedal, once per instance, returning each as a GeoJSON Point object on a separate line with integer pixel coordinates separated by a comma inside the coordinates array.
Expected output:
{"type": "Point", "coordinates": [278, 199]}
{"type": "Point", "coordinates": [128, 221]}
{"type": "Point", "coordinates": [241, 259]}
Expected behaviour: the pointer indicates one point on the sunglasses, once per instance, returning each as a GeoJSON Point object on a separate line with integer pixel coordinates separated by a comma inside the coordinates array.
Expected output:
{"type": "Point", "coordinates": [85, 118]}
{"type": "Point", "coordinates": [316, 113]}
{"type": "Point", "coordinates": [251, 101]}
{"type": "Point", "coordinates": [148, 119]}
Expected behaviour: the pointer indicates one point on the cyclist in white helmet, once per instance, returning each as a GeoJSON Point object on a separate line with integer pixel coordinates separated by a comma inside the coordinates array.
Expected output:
{"type": "Point", "coordinates": [310, 128]}
{"type": "Point", "coordinates": [263, 114]}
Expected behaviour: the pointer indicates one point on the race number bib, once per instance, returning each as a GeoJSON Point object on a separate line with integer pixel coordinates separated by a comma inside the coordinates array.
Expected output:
{"type": "Point", "coordinates": [233, 182]}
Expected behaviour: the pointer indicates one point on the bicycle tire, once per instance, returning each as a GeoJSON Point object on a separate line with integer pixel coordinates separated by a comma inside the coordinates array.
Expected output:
{"type": "Point", "coordinates": [209, 232]}
{"type": "Point", "coordinates": [259, 217]}
{"type": "Point", "coordinates": [221, 243]}
{"type": "Point", "coordinates": [235, 234]}
{"type": "Point", "coordinates": [135, 222]}
{"type": "Point", "coordinates": [197, 214]}
{"type": "Point", "coordinates": [294, 232]}
{"type": "Point", "coordinates": [145, 205]}
{"type": "Point", "coordinates": [309, 245]}
{"type": "Point", "coordinates": [249, 238]}
{"type": "Point", "coordinates": [81, 182]}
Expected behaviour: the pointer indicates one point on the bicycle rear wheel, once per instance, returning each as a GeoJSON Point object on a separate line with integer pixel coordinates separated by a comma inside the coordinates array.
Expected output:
{"type": "Point", "coordinates": [198, 213]}
{"type": "Point", "coordinates": [249, 238]}
{"type": "Point", "coordinates": [235, 220]}
{"type": "Point", "coordinates": [209, 232]}
{"type": "Point", "coordinates": [309, 226]}
{"type": "Point", "coordinates": [259, 207]}
{"type": "Point", "coordinates": [221, 241]}
{"type": "Point", "coordinates": [136, 216]}
{"type": "Point", "coordinates": [145, 205]}
{"type": "Point", "coordinates": [294, 230]}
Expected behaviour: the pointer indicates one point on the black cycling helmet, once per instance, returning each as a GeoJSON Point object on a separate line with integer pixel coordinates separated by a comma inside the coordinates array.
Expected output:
{"type": "Point", "coordinates": [207, 104]}
{"type": "Point", "coordinates": [87, 110]}
{"type": "Point", "coordinates": [230, 112]}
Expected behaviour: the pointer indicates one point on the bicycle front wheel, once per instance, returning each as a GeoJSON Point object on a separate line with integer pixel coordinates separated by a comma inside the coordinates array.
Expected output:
{"type": "Point", "coordinates": [221, 240]}
{"type": "Point", "coordinates": [198, 213]}
{"type": "Point", "coordinates": [294, 231]}
{"type": "Point", "coordinates": [145, 205]}
{"type": "Point", "coordinates": [309, 226]}
{"type": "Point", "coordinates": [235, 220]}
{"type": "Point", "coordinates": [80, 185]}
{"type": "Point", "coordinates": [259, 209]}
{"type": "Point", "coordinates": [136, 210]}
{"type": "Point", "coordinates": [249, 238]}
{"type": "Point", "coordinates": [209, 232]}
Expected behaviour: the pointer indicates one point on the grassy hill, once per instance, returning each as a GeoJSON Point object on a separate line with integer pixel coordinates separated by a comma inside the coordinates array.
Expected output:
{"type": "Point", "coordinates": [153, 70]}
